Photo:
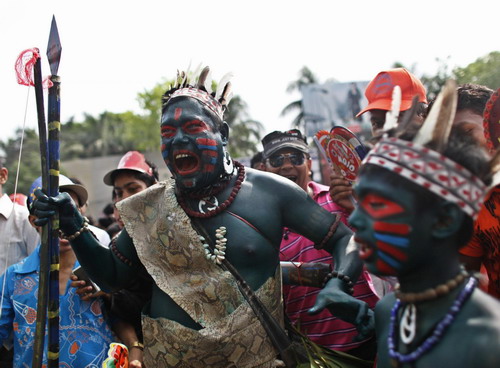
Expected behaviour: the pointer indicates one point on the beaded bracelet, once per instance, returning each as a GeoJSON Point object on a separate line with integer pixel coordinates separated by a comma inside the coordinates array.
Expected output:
{"type": "Point", "coordinates": [85, 227]}
{"type": "Point", "coordinates": [330, 233]}
{"type": "Point", "coordinates": [346, 279]}
{"type": "Point", "coordinates": [118, 254]}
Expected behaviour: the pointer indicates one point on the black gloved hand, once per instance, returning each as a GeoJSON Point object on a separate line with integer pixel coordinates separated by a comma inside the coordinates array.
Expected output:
{"type": "Point", "coordinates": [70, 218]}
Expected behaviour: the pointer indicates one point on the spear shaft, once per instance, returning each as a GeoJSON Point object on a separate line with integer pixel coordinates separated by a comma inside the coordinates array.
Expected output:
{"type": "Point", "coordinates": [41, 315]}
{"type": "Point", "coordinates": [53, 305]}
{"type": "Point", "coordinates": [54, 127]}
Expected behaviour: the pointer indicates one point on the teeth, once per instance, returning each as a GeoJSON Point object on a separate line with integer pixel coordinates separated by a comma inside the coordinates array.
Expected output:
{"type": "Point", "coordinates": [182, 155]}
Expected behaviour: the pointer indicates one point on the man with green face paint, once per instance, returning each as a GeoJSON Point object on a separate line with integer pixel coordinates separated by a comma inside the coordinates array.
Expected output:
{"type": "Point", "coordinates": [186, 233]}
{"type": "Point", "coordinates": [417, 197]}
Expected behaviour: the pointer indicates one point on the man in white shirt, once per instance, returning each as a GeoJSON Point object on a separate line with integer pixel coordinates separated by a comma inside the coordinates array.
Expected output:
{"type": "Point", "coordinates": [17, 237]}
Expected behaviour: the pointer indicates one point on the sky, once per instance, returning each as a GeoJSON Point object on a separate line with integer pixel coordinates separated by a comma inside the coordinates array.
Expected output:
{"type": "Point", "coordinates": [113, 50]}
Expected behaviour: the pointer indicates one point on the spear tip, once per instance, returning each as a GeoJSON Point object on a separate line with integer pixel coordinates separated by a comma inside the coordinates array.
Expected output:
{"type": "Point", "coordinates": [54, 47]}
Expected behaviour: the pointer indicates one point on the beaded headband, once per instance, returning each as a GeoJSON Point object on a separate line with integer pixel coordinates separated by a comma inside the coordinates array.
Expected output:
{"type": "Point", "coordinates": [430, 170]}
{"type": "Point", "coordinates": [203, 97]}
{"type": "Point", "coordinates": [201, 91]}
{"type": "Point", "coordinates": [427, 167]}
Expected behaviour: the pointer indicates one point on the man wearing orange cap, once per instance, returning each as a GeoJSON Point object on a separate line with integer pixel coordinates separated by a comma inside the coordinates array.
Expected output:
{"type": "Point", "coordinates": [379, 96]}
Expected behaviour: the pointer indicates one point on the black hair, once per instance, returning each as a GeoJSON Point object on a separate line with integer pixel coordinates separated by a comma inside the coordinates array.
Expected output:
{"type": "Point", "coordinates": [470, 97]}
{"type": "Point", "coordinates": [257, 158]}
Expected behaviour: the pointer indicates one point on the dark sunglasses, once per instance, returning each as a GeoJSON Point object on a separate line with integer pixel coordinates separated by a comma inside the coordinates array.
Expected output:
{"type": "Point", "coordinates": [279, 160]}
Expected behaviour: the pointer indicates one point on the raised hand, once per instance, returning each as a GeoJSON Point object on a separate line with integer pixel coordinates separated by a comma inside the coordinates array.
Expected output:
{"type": "Point", "coordinates": [341, 192]}
{"type": "Point", "coordinates": [70, 219]}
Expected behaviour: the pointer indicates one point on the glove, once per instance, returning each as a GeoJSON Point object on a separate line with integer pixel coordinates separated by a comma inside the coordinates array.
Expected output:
{"type": "Point", "coordinates": [44, 207]}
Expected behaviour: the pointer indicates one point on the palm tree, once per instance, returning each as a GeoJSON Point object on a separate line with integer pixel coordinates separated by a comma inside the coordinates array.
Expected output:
{"type": "Point", "coordinates": [245, 133]}
{"type": "Point", "coordinates": [306, 77]}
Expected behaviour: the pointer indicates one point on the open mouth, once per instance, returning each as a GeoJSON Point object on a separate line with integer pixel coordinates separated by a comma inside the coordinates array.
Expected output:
{"type": "Point", "coordinates": [185, 162]}
{"type": "Point", "coordinates": [365, 251]}
{"type": "Point", "coordinates": [291, 177]}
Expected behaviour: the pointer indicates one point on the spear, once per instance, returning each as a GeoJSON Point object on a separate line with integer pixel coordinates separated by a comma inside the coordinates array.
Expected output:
{"type": "Point", "coordinates": [54, 111]}
{"type": "Point", "coordinates": [48, 297]}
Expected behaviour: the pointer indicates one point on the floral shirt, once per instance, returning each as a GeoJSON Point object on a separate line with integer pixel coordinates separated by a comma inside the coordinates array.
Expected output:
{"type": "Point", "coordinates": [84, 334]}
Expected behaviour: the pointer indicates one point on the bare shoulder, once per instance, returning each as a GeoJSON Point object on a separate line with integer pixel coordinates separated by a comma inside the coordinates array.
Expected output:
{"type": "Point", "coordinates": [480, 319]}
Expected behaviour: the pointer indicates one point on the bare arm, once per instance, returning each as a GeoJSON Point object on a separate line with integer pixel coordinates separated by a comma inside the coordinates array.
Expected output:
{"type": "Point", "coordinates": [310, 220]}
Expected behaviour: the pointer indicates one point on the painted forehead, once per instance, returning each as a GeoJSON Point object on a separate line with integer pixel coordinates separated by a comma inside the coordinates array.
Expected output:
{"type": "Point", "coordinates": [378, 182]}
{"type": "Point", "coordinates": [183, 108]}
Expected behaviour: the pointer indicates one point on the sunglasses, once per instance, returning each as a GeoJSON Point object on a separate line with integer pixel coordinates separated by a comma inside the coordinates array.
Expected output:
{"type": "Point", "coordinates": [279, 160]}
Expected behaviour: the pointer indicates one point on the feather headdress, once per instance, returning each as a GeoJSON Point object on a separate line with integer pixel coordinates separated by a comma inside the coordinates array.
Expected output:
{"type": "Point", "coordinates": [201, 90]}
{"type": "Point", "coordinates": [391, 118]}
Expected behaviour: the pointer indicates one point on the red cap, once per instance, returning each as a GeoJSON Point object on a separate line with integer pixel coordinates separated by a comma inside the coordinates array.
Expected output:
{"type": "Point", "coordinates": [132, 160]}
{"type": "Point", "coordinates": [379, 90]}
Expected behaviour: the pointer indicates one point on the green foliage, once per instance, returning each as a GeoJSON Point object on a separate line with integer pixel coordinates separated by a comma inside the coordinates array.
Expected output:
{"type": "Point", "coordinates": [435, 83]}
{"type": "Point", "coordinates": [244, 133]}
{"type": "Point", "coordinates": [96, 136]}
{"type": "Point", "coordinates": [485, 71]}
{"type": "Point", "coordinates": [30, 161]}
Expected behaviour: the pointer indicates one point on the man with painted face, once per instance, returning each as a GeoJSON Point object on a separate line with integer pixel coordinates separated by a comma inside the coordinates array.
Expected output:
{"type": "Point", "coordinates": [214, 212]}
{"type": "Point", "coordinates": [287, 154]}
{"type": "Point", "coordinates": [417, 197]}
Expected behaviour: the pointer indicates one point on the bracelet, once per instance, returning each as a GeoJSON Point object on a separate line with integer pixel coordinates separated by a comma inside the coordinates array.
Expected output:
{"type": "Point", "coordinates": [85, 227]}
{"type": "Point", "coordinates": [346, 279]}
{"type": "Point", "coordinates": [118, 254]}
{"type": "Point", "coordinates": [137, 345]}
{"type": "Point", "coordinates": [330, 233]}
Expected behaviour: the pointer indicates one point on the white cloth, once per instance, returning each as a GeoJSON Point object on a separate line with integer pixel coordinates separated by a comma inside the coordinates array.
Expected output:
{"type": "Point", "coordinates": [17, 237]}
{"type": "Point", "coordinates": [101, 235]}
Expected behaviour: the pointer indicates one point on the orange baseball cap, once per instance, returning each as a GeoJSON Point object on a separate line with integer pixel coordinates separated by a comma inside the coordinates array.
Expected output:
{"type": "Point", "coordinates": [379, 90]}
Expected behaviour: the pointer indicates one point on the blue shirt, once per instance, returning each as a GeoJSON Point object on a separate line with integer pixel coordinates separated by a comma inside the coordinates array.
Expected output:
{"type": "Point", "coordinates": [84, 333]}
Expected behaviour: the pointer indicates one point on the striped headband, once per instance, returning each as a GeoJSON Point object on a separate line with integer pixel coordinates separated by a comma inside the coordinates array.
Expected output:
{"type": "Point", "coordinates": [202, 96]}
{"type": "Point", "coordinates": [430, 170]}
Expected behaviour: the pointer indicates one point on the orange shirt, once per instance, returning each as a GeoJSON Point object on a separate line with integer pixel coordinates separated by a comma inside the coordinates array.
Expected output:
{"type": "Point", "coordinates": [485, 242]}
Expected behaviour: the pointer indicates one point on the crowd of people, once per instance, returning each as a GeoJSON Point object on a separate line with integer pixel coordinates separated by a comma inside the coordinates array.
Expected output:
{"type": "Point", "coordinates": [189, 268]}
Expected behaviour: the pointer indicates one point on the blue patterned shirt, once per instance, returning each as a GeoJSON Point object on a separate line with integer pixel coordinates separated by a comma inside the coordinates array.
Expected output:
{"type": "Point", "coordinates": [84, 333]}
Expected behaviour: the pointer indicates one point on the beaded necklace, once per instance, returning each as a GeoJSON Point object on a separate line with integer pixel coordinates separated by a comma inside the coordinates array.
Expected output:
{"type": "Point", "coordinates": [224, 205]}
{"type": "Point", "coordinates": [437, 333]}
{"type": "Point", "coordinates": [432, 293]}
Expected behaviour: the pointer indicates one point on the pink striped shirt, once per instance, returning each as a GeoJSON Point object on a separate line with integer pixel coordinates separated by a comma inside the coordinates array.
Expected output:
{"type": "Point", "coordinates": [323, 328]}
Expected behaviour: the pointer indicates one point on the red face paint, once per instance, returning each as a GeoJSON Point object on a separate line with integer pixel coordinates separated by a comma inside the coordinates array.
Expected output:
{"type": "Point", "coordinates": [210, 153]}
{"type": "Point", "coordinates": [384, 268]}
{"type": "Point", "coordinates": [208, 168]}
{"type": "Point", "coordinates": [195, 127]}
{"type": "Point", "coordinates": [392, 251]}
{"type": "Point", "coordinates": [206, 142]}
{"type": "Point", "coordinates": [379, 207]}
{"type": "Point", "coordinates": [386, 227]}
{"type": "Point", "coordinates": [177, 113]}
{"type": "Point", "coordinates": [168, 131]}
